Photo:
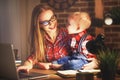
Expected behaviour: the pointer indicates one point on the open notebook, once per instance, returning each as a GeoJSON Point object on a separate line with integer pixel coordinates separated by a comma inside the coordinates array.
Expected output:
{"type": "Point", "coordinates": [8, 68]}
{"type": "Point", "coordinates": [72, 73]}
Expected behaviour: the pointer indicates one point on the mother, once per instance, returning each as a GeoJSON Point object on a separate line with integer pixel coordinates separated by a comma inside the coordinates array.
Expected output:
{"type": "Point", "coordinates": [48, 41]}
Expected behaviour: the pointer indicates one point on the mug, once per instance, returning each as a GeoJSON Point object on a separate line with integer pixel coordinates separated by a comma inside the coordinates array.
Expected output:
{"type": "Point", "coordinates": [84, 76]}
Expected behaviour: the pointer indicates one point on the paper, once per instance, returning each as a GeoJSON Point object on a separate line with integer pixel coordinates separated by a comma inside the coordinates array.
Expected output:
{"type": "Point", "coordinates": [67, 73]}
{"type": "Point", "coordinates": [72, 73]}
{"type": "Point", "coordinates": [91, 71]}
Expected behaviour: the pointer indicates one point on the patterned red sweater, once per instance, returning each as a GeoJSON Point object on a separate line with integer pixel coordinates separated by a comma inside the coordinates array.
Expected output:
{"type": "Point", "coordinates": [57, 49]}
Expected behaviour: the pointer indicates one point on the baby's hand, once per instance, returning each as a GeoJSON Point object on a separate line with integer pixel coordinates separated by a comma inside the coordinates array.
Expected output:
{"type": "Point", "coordinates": [72, 29]}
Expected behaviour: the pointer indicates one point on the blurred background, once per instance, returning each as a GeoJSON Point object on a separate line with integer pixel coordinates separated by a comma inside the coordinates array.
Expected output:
{"type": "Point", "coordinates": [15, 18]}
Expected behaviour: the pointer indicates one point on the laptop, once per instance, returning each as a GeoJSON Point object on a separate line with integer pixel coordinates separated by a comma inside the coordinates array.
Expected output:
{"type": "Point", "coordinates": [8, 69]}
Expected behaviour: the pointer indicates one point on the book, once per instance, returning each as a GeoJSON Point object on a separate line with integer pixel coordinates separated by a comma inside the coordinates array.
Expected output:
{"type": "Point", "coordinates": [72, 73]}
{"type": "Point", "coordinates": [67, 73]}
{"type": "Point", "coordinates": [90, 71]}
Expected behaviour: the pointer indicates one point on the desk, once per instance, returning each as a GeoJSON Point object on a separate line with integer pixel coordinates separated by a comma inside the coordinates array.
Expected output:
{"type": "Point", "coordinates": [54, 76]}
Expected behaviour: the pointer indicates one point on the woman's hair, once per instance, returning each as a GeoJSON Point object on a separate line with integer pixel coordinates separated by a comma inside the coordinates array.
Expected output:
{"type": "Point", "coordinates": [37, 44]}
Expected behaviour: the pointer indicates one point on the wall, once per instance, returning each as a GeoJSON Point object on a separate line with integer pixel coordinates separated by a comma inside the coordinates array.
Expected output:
{"type": "Point", "coordinates": [112, 33]}
{"type": "Point", "coordinates": [15, 23]}
{"type": "Point", "coordinates": [112, 36]}
{"type": "Point", "coordinates": [10, 23]}
{"type": "Point", "coordinates": [15, 18]}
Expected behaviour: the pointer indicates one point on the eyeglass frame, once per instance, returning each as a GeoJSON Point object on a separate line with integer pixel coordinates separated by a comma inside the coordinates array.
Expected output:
{"type": "Point", "coordinates": [48, 22]}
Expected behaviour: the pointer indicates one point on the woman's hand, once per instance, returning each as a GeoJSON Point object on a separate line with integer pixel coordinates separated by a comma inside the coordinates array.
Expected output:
{"type": "Point", "coordinates": [26, 67]}
{"type": "Point", "coordinates": [45, 66]}
{"type": "Point", "coordinates": [91, 65]}
{"type": "Point", "coordinates": [55, 66]}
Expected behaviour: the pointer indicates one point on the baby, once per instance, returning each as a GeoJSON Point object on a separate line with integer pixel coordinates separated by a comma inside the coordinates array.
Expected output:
{"type": "Point", "coordinates": [78, 23]}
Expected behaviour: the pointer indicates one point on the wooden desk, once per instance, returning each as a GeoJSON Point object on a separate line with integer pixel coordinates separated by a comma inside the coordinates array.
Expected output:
{"type": "Point", "coordinates": [54, 76]}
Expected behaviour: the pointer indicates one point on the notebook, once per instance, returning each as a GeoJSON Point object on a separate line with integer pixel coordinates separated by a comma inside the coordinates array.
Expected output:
{"type": "Point", "coordinates": [72, 73]}
{"type": "Point", "coordinates": [67, 73]}
{"type": "Point", "coordinates": [8, 70]}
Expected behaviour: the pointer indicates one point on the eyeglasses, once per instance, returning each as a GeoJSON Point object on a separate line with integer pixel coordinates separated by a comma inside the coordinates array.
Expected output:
{"type": "Point", "coordinates": [47, 22]}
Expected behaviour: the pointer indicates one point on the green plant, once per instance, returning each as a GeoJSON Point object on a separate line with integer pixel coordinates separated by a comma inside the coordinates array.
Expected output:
{"type": "Point", "coordinates": [108, 58]}
{"type": "Point", "coordinates": [108, 62]}
{"type": "Point", "coordinates": [115, 12]}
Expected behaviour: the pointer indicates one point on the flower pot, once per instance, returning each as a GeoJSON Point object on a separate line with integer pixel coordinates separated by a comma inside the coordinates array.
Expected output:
{"type": "Point", "coordinates": [108, 62]}
{"type": "Point", "coordinates": [108, 75]}
{"type": "Point", "coordinates": [84, 76]}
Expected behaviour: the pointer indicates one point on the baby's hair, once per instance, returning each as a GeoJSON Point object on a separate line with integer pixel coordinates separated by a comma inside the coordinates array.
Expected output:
{"type": "Point", "coordinates": [79, 17]}
{"type": "Point", "coordinates": [76, 16]}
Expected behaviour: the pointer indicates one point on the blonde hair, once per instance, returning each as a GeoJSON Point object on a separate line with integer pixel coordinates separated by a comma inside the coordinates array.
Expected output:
{"type": "Point", "coordinates": [37, 34]}
{"type": "Point", "coordinates": [79, 17]}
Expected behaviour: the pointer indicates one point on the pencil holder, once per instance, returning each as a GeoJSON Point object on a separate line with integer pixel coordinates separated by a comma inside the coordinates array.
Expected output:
{"type": "Point", "coordinates": [84, 76]}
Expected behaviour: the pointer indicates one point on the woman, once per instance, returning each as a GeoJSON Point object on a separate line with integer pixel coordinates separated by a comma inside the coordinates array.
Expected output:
{"type": "Point", "coordinates": [48, 41]}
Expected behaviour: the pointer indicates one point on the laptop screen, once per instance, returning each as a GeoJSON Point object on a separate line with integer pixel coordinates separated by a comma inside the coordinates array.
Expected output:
{"type": "Point", "coordinates": [7, 62]}
{"type": "Point", "coordinates": [8, 67]}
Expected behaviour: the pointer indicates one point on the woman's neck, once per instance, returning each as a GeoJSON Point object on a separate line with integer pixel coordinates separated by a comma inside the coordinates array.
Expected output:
{"type": "Point", "coordinates": [53, 35]}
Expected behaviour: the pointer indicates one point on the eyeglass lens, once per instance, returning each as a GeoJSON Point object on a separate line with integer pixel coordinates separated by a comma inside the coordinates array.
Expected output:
{"type": "Point", "coordinates": [47, 22]}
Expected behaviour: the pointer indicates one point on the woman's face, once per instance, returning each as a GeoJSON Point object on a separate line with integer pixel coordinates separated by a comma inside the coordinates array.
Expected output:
{"type": "Point", "coordinates": [48, 21]}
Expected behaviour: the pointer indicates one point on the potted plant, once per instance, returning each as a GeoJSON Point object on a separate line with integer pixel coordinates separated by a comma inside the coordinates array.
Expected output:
{"type": "Point", "coordinates": [115, 14]}
{"type": "Point", "coordinates": [108, 63]}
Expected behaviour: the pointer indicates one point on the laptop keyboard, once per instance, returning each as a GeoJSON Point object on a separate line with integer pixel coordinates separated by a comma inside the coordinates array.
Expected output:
{"type": "Point", "coordinates": [32, 75]}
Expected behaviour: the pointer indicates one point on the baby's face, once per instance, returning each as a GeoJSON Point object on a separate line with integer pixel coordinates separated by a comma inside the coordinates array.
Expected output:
{"type": "Point", "coordinates": [78, 23]}
{"type": "Point", "coordinates": [72, 26]}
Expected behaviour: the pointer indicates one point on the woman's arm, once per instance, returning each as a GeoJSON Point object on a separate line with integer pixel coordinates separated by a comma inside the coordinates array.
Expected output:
{"type": "Point", "coordinates": [47, 66]}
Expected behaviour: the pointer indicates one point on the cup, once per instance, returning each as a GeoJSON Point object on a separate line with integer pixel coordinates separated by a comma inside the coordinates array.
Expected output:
{"type": "Point", "coordinates": [84, 76]}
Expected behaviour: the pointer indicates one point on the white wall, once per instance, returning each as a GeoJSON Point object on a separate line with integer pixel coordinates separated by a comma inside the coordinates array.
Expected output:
{"type": "Point", "coordinates": [15, 20]}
